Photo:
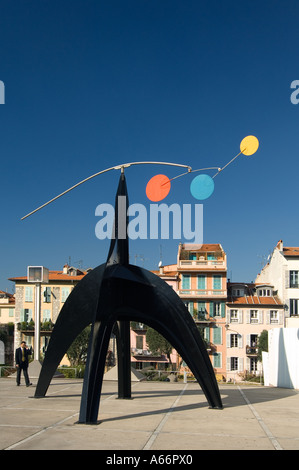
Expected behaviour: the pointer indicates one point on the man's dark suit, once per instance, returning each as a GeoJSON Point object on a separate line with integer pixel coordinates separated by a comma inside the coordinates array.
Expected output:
{"type": "Point", "coordinates": [22, 362]}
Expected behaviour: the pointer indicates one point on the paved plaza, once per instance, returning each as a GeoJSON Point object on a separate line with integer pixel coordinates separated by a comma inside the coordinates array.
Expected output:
{"type": "Point", "coordinates": [160, 416]}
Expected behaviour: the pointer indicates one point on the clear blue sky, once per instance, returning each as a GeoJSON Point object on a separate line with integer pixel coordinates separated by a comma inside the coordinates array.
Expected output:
{"type": "Point", "coordinates": [93, 83]}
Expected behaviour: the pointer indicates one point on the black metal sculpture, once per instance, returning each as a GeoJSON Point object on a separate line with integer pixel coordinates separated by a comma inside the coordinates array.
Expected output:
{"type": "Point", "coordinates": [108, 298]}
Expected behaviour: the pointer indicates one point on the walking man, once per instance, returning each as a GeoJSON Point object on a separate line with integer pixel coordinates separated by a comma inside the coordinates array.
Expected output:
{"type": "Point", "coordinates": [22, 362]}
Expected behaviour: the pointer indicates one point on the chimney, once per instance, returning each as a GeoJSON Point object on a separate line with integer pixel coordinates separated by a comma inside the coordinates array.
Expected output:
{"type": "Point", "coordinates": [280, 245]}
{"type": "Point", "coordinates": [65, 269]}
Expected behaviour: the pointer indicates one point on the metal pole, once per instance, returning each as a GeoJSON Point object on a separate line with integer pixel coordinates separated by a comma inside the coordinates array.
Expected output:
{"type": "Point", "coordinates": [37, 322]}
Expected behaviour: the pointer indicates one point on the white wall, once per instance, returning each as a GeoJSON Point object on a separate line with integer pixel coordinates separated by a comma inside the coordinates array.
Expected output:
{"type": "Point", "coordinates": [281, 365]}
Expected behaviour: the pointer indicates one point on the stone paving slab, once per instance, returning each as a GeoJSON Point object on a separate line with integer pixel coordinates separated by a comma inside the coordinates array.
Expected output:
{"type": "Point", "coordinates": [160, 416]}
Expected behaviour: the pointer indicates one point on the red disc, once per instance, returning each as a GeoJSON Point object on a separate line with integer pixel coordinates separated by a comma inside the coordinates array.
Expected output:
{"type": "Point", "coordinates": [158, 188]}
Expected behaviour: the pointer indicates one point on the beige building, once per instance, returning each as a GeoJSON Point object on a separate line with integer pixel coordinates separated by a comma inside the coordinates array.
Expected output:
{"type": "Point", "coordinates": [53, 295]}
{"type": "Point", "coordinates": [7, 308]}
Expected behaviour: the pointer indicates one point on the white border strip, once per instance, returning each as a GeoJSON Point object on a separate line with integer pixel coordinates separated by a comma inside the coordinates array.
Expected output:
{"type": "Point", "coordinates": [265, 428]}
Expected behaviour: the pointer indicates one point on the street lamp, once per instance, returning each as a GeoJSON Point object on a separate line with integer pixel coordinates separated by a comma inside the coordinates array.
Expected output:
{"type": "Point", "coordinates": [37, 275]}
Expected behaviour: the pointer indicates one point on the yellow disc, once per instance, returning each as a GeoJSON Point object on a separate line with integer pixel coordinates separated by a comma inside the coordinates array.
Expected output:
{"type": "Point", "coordinates": [249, 145]}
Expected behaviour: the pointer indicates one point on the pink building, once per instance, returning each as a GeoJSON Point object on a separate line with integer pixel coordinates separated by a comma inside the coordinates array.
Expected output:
{"type": "Point", "coordinates": [251, 308]}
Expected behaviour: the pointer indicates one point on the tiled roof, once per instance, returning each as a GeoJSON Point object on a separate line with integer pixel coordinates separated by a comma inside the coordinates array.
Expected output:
{"type": "Point", "coordinates": [205, 247]}
{"type": "Point", "coordinates": [7, 295]}
{"type": "Point", "coordinates": [55, 276]}
{"type": "Point", "coordinates": [291, 251]}
{"type": "Point", "coordinates": [254, 300]}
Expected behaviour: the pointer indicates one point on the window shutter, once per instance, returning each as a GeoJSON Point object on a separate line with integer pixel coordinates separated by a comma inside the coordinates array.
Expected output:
{"type": "Point", "coordinates": [228, 364]}
{"type": "Point", "coordinates": [228, 340]}
{"type": "Point", "coordinates": [28, 294]}
{"type": "Point", "coordinates": [201, 281]}
{"type": "Point", "coordinates": [240, 341]}
{"type": "Point", "coordinates": [240, 315]}
{"type": "Point", "coordinates": [247, 317]}
{"type": "Point", "coordinates": [22, 316]}
{"type": "Point", "coordinates": [280, 317]}
{"type": "Point", "coordinates": [217, 335]}
{"type": "Point", "coordinates": [268, 317]}
{"type": "Point", "coordinates": [240, 364]}
{"type": "Point", "coordinates": [287, 279]}
{"type": "Point", "coordinates": [217, 281]}
{"type": "Point", "coordinates": [222, 309]}
{"type": "Point", "coordinates": [185, 281]}
{"type": "Point", "coordinates": [211, 309]}
{"type": "Point", "coordinates": [47, 294]}
{"type": "Point", "coordinates": [207, 333]}
{"type": "Point", "coordinates": [29, 314]}
{"type": "Point", "coordinates": [64, 293]}
{"type": "Point", "coordinates": [260, 316]}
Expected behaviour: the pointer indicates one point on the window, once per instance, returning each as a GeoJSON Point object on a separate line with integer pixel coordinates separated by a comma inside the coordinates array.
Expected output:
{"type": "Point", "coordinates": [201, 282]}
{"type": "Point", "coordinates": [294, 278]}
{"type": "Point", "coordinates": [253, 364]}
{"type": "Point", "coordinates": [46, 315]}
{"type": "Point", "coordinates": [65, 291]}
{"type": "Point", "coordinates": [217, 336]}
{"type": "Point", "coordinates": [234, 316]}
{"type": "Point", "coordinates": [234, 340]}
{"type": "Point", "coordinates": [234, 363]}
{"type": "Point", "coordinates": [47, 294]}
{"type": "Point", "coordinates": [201, 309]}
{"type": "Point", "coordinates": [211, 256]}
{"type": "Point", "coordinates": [264, 292]}
{"type": "Point", "coordinates": [238, 292]}
{"type": "Point", "coordinates": [186, 281]}
{"type": "Point", "coordinates": [28, 294]}
{"type": "Point", "coordinates": [217, 359]}
{"type": "Point", "coordinates": [139, 342]}
{"type": "Point", "coordinates": [217, 282]}
{"type": "Point", "coordinates": [26, 314]}
{"type": "Point", "coordinates": [254, 316]}
{"type": "Point", "coordinates": [294, 308]}
{"type": "Point", "coordinates": [217, 309]}
{"type": "Point", "coordinates": [10, 312]}
{"type": "Point", "coordinates": [274, 316]}
{"type": "Point", "coordinates": [190, 306]}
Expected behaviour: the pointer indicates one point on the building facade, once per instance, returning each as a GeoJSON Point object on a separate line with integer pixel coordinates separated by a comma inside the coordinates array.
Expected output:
{"type": "Point", "coordinates": [250, 309]}
{"type": "Point", "coordinates": [53, 295]}
{"type": "Point", "coordinates": [7, 308]}
{"type": "Point", "coordinates": [282, 271]}
{"type": "Point", "coordinates": [202, 271]}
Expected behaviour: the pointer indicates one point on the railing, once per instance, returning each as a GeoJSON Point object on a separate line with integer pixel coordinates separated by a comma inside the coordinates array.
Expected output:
{"type": "Point", "coordinates": [198, 263]}
{"type": "Point", "coordinates": [202, 292]}
{"type": "Point", "coordinates": [251, 350]}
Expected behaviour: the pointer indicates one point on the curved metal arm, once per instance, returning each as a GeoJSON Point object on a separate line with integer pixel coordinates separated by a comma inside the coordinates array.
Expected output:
{"type": "Point", "coordinates": [117, 167]}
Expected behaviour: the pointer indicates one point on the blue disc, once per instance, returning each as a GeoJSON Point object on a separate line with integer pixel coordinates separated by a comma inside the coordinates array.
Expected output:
{"type": "Point", "coordinates": [202, 186]}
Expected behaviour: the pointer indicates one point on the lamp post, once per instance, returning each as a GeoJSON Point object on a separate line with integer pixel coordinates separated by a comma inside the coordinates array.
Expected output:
{"type": "Point", "coordinates": [37, 275]}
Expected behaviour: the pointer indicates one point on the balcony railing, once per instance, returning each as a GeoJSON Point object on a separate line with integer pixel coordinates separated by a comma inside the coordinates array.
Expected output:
{"type": "Point", "coordinates": [251, 350]}
{"type": "Point", "coordinates": [213, 264]}
{"type": "Point", "coordinates": [202, 292]}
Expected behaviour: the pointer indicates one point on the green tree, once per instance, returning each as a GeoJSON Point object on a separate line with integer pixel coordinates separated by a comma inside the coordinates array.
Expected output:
{"type": "Point", "coordinates": [262, 344]}
{"type": "Point", "coordinates": [77, 352]}
{"type": "Point", "coordinates": [158, 344]}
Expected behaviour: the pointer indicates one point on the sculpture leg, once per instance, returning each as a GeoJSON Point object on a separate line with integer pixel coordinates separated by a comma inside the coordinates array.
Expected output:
{"type": "Point", "coordinates": [94, 372]}
{"type": "Point", "coordinates": [124, 359]}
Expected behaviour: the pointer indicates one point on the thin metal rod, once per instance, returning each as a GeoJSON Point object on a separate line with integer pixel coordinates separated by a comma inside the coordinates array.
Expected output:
{"type": "Point", "coordinates": [117, 167]}
{"type": "Point", "coordinates": [191, 171]}
{"type": "Point", "coordinates": [221, 169]}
